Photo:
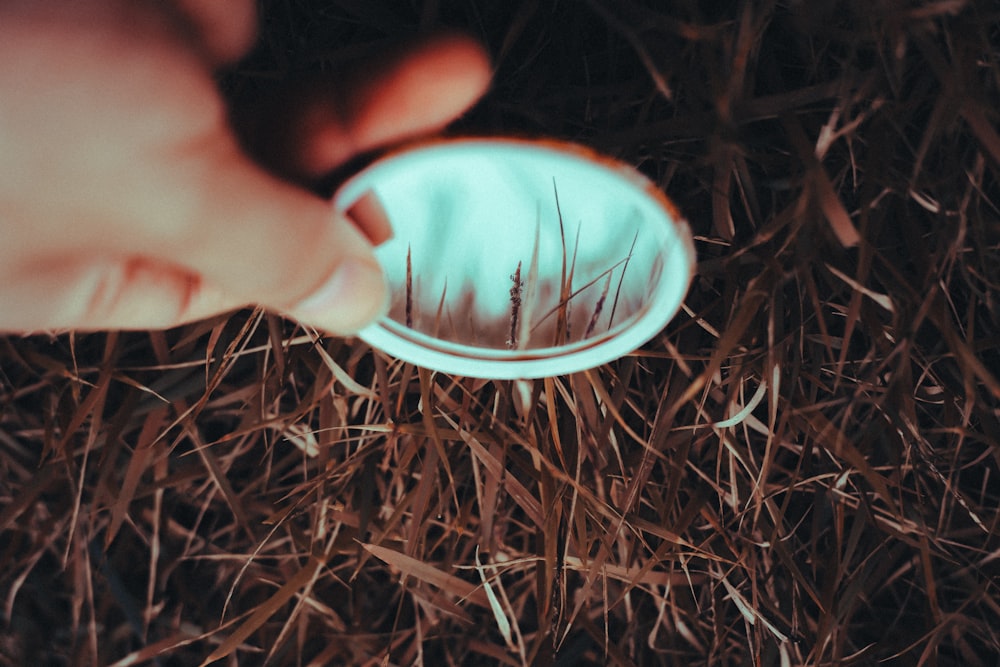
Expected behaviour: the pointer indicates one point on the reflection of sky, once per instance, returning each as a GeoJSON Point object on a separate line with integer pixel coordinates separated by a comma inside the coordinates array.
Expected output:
{"type": "Point", "coordinates": [469, 215]}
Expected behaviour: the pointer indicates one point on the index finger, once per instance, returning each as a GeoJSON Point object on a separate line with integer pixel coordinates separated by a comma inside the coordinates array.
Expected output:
{"type": "Point", "coordinates": [313, 126]}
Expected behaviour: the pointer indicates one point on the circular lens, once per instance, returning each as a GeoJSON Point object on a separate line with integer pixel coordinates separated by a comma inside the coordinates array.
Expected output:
{"type": "Point", "coordinates": [516, 259]}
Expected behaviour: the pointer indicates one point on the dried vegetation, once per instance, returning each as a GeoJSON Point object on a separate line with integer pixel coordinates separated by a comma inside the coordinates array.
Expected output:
{"type": "Point", "coordinates": [804, 468]}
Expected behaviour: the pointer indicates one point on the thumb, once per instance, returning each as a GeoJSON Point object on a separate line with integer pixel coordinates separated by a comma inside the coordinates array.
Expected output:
{"type": "Point", "coordinates": [264, 241]}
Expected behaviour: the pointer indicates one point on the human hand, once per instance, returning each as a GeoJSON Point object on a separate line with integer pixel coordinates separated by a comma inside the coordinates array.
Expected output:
{"type": "Point", "coordinates": [125, 199]}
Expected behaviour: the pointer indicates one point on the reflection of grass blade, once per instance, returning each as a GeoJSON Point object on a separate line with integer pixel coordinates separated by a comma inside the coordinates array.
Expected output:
{"type": "Point", "coordinates": [515, 306]}
{"type": "Point", "coordinates": [562, 231]}
{"type": "Point", "coordinates": [621, 279]}
{"type": "Point", "coordinates": [598, 308]}
{"type": "Point", "coordinates": [440, 309]}
{"type": "Point", "coordinates": [530, 299]}
{"type": "Point", "coordinates": [564, 328]}
{"type": "Point", "coordinates": [564, 280]}
{"type": "Point", "coordinates": [562, 303]}
{"type": "Point", "coordinates": [409, 288]}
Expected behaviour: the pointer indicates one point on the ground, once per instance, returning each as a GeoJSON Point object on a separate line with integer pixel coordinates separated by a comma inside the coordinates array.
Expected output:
{"type": "Point", "coordinates": [802, 469]}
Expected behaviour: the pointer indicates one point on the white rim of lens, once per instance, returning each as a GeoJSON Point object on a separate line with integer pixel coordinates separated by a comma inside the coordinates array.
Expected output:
{"type": "Point", "coordinates": [665, 299]}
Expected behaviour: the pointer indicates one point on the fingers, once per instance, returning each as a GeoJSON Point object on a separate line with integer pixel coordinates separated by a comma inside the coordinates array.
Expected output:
{"type": "Point", "coordinates": [315, 126]}
{"type": "Point", "coordinates": [368, 215]}
{"type": "Point", "coordinates": [273, 246]}
{"type": "Point", "coordinates": [58, 293]}
{"type": "Point", "coordinates": [207, 230]}
{"type": "Point", "coordinates": [267, 242]}
{"type": "Point", "coordinates": [260, 240]}
{"type": "Point", "coordinates": [264, 241]}
{"type": "Point", "coordinates": [419, 93]}
{"type": "Point", "coordinates": [224, 235]}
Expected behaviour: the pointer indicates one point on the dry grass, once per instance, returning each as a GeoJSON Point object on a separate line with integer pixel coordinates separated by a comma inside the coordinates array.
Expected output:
{"type": "Point", "coordinates": [803, 469]}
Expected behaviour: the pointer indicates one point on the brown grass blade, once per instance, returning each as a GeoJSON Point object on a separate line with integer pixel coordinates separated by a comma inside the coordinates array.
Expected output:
{"type": "Point", "coordinates": [421, 571]}
{"type": "Point", "coordinates": [494, 469]}
{"type": "Point", "coordinates": [266, 610]}
{"type": "Point", "coordinates": [137, 465]}
{"type": "Point", "coordinates": [821, 187]}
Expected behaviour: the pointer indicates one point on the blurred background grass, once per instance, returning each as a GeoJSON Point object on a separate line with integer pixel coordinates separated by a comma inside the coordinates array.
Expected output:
{"type": "Point", "coordinates": [802, 469]}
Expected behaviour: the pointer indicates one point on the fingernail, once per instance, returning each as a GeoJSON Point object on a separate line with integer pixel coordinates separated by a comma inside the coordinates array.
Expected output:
{"type": "Point", "coordinates": [370, 217]}
{"type": "Point", "coordinates": [354, 296]}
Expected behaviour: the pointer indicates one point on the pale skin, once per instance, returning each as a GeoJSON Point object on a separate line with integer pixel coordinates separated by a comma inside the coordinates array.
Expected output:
{"type": "Point", "coordinates": [125, 199]}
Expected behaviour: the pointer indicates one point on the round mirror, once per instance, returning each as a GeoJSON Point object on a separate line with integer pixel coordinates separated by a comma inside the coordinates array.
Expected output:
{"type": "Point", "coordinates": [518, 259]}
